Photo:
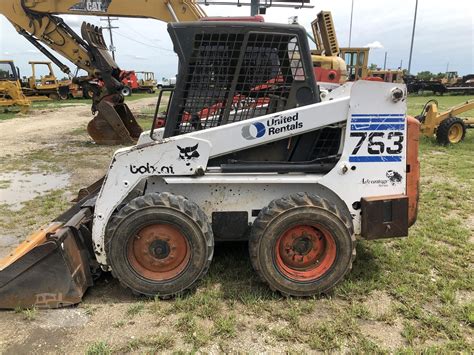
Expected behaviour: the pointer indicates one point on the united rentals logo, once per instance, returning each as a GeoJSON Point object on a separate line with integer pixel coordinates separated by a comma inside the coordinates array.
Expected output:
{"type": "Point", "coordinates": [274, 125]}
{"type": "Point", "coordinates": [253, 131]}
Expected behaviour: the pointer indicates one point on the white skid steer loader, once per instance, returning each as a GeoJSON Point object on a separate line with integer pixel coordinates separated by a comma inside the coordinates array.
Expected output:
{"type": "Point", "coordinates": [248, 151]}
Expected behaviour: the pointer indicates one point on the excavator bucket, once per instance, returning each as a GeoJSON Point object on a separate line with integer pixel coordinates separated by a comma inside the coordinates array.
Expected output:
{"type": "Point", "coordinates": [114, 123]}
{"type": "Point", "coordinates": [52, 267]}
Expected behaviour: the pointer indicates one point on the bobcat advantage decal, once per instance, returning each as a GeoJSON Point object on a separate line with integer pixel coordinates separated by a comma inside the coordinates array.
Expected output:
{"type": "Point", "coordinates": [392, 178]}
{"type": "Point", "coordinates": [91, 6]}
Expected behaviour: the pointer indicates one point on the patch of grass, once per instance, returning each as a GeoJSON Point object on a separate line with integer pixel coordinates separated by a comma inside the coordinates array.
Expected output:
{"type": "Point", "coordinates": [7, 115]}
{"type": "Point", "coordinates": [151, 344]}
{"type": "Point", "coordinates": [135, 309]}
{"type": "Point", "coordinates": [5, 184]}
{"type": "Point", "coordinates": [192, 332]}
{"type": "Point", "coordinates": [225, 326]}
{"type": "Point", "coordinates": [99, 348]}
{"type": "Point", "coordinates": [29, 314]}
{"type": "Point", "coordinates": [118, 324]}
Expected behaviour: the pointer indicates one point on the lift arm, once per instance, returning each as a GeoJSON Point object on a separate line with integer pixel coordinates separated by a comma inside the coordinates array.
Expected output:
{"type": "Point", "coordinates": [37, 21]}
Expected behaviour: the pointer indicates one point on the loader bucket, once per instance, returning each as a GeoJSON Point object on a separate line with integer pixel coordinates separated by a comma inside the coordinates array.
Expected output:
{"type": "Point", "coordinates": [52, 267]}
{"type": "Point", "coordinates": [114, 124]}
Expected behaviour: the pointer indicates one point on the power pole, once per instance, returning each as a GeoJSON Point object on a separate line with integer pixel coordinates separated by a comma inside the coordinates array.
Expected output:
{"type": "Point", "coordinates": [412, 37]}
{"type": "Point", "coordinates": [254, 7]}
{"type": "Point", "coordinates": [350, 26]}
{"type": "Point", "coordinates": [110, 28]}
{"type": "Point", "coordinates": [385, 61]}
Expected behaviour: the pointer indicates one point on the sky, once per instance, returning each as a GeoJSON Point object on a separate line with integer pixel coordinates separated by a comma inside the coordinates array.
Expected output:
{"type": "Point", "coordinates": [444, 37]}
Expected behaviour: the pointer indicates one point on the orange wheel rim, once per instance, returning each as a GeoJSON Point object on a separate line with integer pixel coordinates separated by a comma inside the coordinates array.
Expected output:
{"type": "Point", "coordinates": [305, 253]}
{"type": "Point", "coordinates": [158, 252]}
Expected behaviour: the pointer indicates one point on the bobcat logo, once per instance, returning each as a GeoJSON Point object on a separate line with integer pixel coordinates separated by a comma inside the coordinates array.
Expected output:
{"type": "Point", "coordinates": [188, 154]}
{"type": "Point", "coordinates": [394, 177]}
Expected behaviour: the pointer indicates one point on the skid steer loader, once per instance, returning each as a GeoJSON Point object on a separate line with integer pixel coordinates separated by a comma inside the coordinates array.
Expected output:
{"type": "Point", "coordinates": [297, 177]}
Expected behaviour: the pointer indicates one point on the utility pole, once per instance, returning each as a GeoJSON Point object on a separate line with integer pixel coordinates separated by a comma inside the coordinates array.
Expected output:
{"type": "Point", "coordinates": [401, 64]}
{"type": "Point", "coordinates": [110, 28]}
{"type": "Point", "coordinates": [350, 26]}
{"type": "Point", "coordinates": [385, 61]}
{"type": "Point", "coordinates": [254, 7]}
{"type": "Point", "coordinates": [412, 37]}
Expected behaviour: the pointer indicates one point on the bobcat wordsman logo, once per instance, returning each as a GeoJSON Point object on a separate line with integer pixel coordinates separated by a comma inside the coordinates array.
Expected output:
{"type": "Point", "coordinates": [91, 6]}
{"type": "Point", "coordinates": [394, 177]}
{"type": "Point", "coordinates": [188, 154]}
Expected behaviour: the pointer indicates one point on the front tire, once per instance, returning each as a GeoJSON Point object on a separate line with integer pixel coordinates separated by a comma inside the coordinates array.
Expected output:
{"type": "Point", "coordinates": [302, 245]}
{"type": "Point", "coordinates": [159, 244]}
{"type": "Point", "coordinates": [451, 131]}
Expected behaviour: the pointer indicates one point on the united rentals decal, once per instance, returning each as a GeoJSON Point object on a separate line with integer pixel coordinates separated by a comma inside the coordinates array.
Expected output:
{"type": "Point", "coordinates": [275, 125]}
{"type": "Point", "coordinates": [91, 6]}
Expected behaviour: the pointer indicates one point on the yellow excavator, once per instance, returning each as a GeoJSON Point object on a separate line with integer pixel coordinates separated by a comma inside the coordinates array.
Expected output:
{"type": "Point", "coordinates": [39, 23]}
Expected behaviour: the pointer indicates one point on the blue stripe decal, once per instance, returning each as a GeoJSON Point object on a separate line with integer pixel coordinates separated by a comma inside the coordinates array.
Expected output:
{"type": "Point", "coordinates": [381, 120]}
{"type": "Point", "coordinates": [376, 158]}
{"type": "Point", "coordinates": [378, 115]}
{"type": "Point", "coordinates": [377, 127]}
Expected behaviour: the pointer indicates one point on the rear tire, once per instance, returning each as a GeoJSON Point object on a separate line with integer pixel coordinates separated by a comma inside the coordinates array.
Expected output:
{"type": "Point", "coordinates": [159, 244]}
{"type": "Point", "coordinates": [302, 245]}
{"type": "Point", "coordinates": [451, 131]}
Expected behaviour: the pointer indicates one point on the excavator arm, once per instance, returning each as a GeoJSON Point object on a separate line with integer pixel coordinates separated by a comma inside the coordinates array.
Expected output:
{"type": "Point", "coordinates": [37, 20]}
{"type": "Point", "coordinates": [39, 23]}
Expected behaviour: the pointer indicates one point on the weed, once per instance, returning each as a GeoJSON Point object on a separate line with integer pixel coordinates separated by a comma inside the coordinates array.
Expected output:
{"type": "Point", "coordinates": [30, 313]}
{"type": "Point", "coordinates": [135, 309]}
{"type": "Point", "coordinates": [225, 326]}
{"type": "Point", "coordinates": [99, 348]}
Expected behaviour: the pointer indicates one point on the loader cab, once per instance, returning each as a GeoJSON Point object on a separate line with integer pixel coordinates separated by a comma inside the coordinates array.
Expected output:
{"type": "Point", "coordinates": [42, 76]}
{"type": "Point", "coordinates": [8, 71]}
{"type": "Point", "coordinates": [230, 72]}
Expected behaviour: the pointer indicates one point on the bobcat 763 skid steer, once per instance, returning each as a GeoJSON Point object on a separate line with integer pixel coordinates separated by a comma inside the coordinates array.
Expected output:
{"type": "Point", "coordinates": [248, 151]}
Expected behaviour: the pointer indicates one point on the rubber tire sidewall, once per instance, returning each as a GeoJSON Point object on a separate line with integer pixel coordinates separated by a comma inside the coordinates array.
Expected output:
{"type": "Point", "coordinates": [126, 91]}
{"type": "Point", "coordinates": [442, 132]}
{"type": "Point", "coordinates": [298, 216]}
{"type": "Point", "coordinates": [117, 253]}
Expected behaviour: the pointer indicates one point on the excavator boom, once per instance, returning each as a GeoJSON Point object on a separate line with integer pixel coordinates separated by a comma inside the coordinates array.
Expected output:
{"type": "Point", "coordinates": [39, 23]}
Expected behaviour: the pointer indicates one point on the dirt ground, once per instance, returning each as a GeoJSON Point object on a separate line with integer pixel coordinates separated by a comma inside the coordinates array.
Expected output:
{"type": "Point", "coordinates": [382, 307]}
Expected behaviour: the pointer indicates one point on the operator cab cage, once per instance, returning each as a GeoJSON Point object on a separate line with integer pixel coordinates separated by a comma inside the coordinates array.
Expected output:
{"type": "Point", "coordinates": [8, 72]}
{"type": "Point", "coordinates": [233, 71]}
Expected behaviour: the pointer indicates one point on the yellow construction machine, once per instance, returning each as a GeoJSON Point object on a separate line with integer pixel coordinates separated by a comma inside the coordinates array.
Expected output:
{"type": "Point", "coordinates": [446, 126]}
{"type": "Point", "coordinates": [328, 67]}
{"type": "Point", "coordinates": [40, 87]}
{"type": "Point", "coordinates": [357, 60]}
{"type": "Point", "coordinates": [11, 95]}
{"type": "Point", "coordinates": [39, 23]}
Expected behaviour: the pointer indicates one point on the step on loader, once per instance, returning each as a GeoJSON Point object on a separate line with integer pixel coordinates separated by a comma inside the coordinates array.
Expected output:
{"type": "Point", "coordinates": [248, 151]}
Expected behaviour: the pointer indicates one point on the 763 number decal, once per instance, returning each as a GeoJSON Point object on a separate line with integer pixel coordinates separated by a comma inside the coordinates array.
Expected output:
{"type": "Point", "coordinates": [379, 142]}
